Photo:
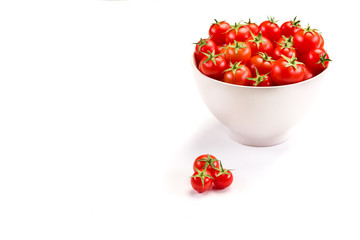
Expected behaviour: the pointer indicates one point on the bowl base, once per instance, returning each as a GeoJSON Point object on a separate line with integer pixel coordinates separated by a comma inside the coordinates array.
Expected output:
{"type": "Point", "coordinates": [259, 142]}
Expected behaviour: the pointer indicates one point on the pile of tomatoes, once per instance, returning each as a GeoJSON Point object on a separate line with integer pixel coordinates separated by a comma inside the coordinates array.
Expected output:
{"type": "Point", "coordinates": [208, 170]}
{"type": "Point", "coordinates": [261, 55]}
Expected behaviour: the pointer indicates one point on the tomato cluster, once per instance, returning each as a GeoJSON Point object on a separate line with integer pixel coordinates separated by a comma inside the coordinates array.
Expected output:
{"type": "Point", "coordinates": [209, 170]}
{"type": "Point", "coordinates": [261, 55]}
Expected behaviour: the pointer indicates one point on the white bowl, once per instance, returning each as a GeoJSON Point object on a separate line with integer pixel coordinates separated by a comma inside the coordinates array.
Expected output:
{"type": "Point", "coordinates": [258, 116]}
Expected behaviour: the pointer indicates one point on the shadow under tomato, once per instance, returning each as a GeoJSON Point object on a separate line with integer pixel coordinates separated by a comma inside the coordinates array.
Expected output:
{"type": "Point", "coordinates": [249, 163]}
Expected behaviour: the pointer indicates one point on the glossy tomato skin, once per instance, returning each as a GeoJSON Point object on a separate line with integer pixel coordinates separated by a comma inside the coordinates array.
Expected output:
{"type": "Point", "coordinates": [270, 30]}
{"type": "Point", "coordinates": [223, 180]}
{"type": "Point", "coordinates": [254, 28]}
{"type": "Point", "coordinates": [281, 50]}
{"type": "Point", "coordinates": [213, 70]}
{"type": "Point", "coordinates": [307, 73]}
{"type": "Point", "coordinates": [265, 46]}
{"type": "Point", "coordinates": [304, 41]}
{"type": "Point", "coordinates": [300, 57]}
{"type": "Point", "coordinates": [200, 164]}
{"type": "Point", "coordinates": [197, 184]}
{"type": "Point", "coordinates": [312, 60]}
{"type": "Point", "coordinates": [240, 77]}
{"type": "Point", "coordinates": [221, 49]}
{"type": "Point", "coordinates": [204, 46]}
{"type": "Point", "coordinates": [217, 32]}
{"type": "Point", "coordinates": [283, 75]}
{"type": "Point", "coordinates": [263, 66]}
{"type": "Point", "coordinates": [288, 29]}
{"type": "Point", "coordinates": [240, 34]}
{"type": "Point", "coordinates": [321, 41]}
{"type": "Point", "coordinates": [238, 52]}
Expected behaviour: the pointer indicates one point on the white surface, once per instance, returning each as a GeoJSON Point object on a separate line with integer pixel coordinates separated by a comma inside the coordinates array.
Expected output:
{"type": "Point", "coordinates": [96, 93]}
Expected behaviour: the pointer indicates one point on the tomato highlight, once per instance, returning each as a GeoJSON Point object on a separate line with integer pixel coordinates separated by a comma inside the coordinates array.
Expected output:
{"type": "Point", "coordinates": [282, 54]}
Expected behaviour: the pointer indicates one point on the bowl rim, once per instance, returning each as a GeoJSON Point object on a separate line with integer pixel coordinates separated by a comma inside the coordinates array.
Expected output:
{"type": "Point", "coordinates": [193, 61]}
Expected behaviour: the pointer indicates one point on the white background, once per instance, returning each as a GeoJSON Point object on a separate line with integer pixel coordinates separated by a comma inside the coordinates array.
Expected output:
{"type": "Point", "coordinates": [100, 121]}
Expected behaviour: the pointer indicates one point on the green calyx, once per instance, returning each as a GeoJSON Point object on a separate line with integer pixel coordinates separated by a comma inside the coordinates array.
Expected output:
{"type": "Point", "coordinates": [295, 23]}
{"type": "Point", "coordinates": [266, 57]}
{"type": "Point", "coordinates": [236, 46]}
{"type": "Point", "coordinates": [248, 22]}
{"type": "Point", "coordinates": [285, 45]}
{"type": "Point", "coordinates": [236, 27]}
{"type": "Point", "coordinates": [234, 67]}
{"type": "Point", "coordinates": [217, 22]}
{"type": "Point", "coordinates": [288, 40]}
{"type": "Point", "coordinates": [323, 59]}
{"type": "Point", "coordinates": [202, 175]}
{"type": "Point", "coordinates": [291, 62]}
{"type": "Point", "coordinates": [259, 78]}
{"type": "Point", "coordinates": [208, 161]}
{"type": "Point", "coordinates": [202, 42]}
{"type": "Point", "coordinates": [210, 57]}
{"type": "Point", "coordinates": [256, 39]}
{"type": "Point", "coordinates": [309, 30]}
{"type": "Point", "coordinates": [272, 19]}
{"type": "Point", "coordinates": [222, 170]}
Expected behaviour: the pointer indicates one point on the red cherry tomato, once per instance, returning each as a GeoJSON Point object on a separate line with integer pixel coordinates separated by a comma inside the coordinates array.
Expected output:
{"type": "Point", "coordinates": [204, 46]}
{"type": "Point", "coordinates": [238, 32]}
{"type": "Point", "coordinates": [213, 65]}
{"type": "Point", "coordinates": [307, 73]}
{"type": "Point", "coordinates": [201, 180]}
{"type": "Point", "coordinates": [254, 28]}
{"type": "Point", "coordinates": [262, 62]}
{"type": "Point", "coordinates": [217, 32]}
{"type": "Point", "coordinates": [285, 40]}
{"type": "Point", "coordinates": [283, 49]}
{"type": "Point", "coordinates": [305, 40]}
{"type": "Point", "coordinates": [260, 43]}
{"type": "Point", "coordinates": [321, 41]}
{"type": "Point", "coordinates": [238, 52]}
{"type": "Point", "coordinates": [317, 60]}
{"type": "Point", "coordinates": [286, 71]}
{"type": "Point", "coordinates": [270, 29]}
{"type": "Point", "coordinates": [206, 161]}
{"type": "Point", "coordinates": [300, 58]}
{"type": "Point", "coordinates": [261, 80]}
{"type": "Point", "coordinates": [223, 178]}
{"type": "Point", "coordinates": [289, 28]}
{"type": "Point", "coordinates": [238, 74]}
{"type": "Point", "coordinates": [222, 49]}
{"type": "Point", "coordinates": [280, 55]}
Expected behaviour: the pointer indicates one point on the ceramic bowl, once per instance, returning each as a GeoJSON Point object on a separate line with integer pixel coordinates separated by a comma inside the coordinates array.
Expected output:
{"type": "Point", "coordinates": [257, 116]}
